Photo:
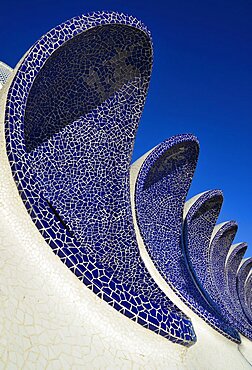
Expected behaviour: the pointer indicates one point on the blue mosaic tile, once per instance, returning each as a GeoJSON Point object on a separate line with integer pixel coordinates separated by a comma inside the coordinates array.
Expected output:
{"type": "Point", "coordinates": [71, 117]}
{"type": "Point", "coordinates": [160, 191]}
{"type": "Point", "coordinates": [200, 219]}
{"type": "Point", "coordinates": [216, 283]}
{"type": "Point", "coordinates": [207, 248]}
{"type": "Point", "coordinates": [233, 261]}
{"type": "Point", "coordinates": [242, 274]}
{"type": "Point", "coordinates": [248, 296]}
{"type": "Point", "coordinates": [200, 216]}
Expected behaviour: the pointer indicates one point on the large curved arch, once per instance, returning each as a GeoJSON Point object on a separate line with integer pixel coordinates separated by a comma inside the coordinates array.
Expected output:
{"type": "Point", "coordinates": [71, 159]}
{"type": "Point", "coordinates": [163, 177]}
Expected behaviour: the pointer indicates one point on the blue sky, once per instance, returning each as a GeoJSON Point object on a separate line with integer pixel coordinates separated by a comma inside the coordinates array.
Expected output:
{"type": "Point", "coordinates": [201, 82]}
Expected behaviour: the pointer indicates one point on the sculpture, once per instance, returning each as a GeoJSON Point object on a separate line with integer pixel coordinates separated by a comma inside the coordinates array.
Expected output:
{"type": "Point", "coordinates": [70, 111]}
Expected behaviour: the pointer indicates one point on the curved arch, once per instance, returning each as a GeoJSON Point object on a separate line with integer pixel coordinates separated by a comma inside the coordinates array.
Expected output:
{"type": "Point", "coordinates": [163, 179]}
{"type": "Point", "coordinates": [217, 288]}
{"type": "Point", "coordinates": [71, 159]}
{"type": "Point", "coordinates": [233, 260]}
{"type": "Point", "coordinates": [248, 295]}
{"type": "Point", "coordinates": [242, 274]}
{"type": "Point", "coordinates": [221, 241]}
{"type": "Point", "coordinates": [207, 248]}
{"type": "Point", "coordinates": [200, 216]}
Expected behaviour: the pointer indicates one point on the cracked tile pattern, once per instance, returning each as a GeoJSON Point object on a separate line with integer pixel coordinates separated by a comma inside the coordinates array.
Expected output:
{"type": "Point", "coordinates": [233, 260]}
{"type": "Point", "coordinates": [71, 119]}
{"type": "Point", "coordinates": [217, 287]}
{"type": "Point", "coordinates": [70, 134]}
{"type": "Point", "coordinates": [199, 222]}
{"type": "Point", "coordinates": [242, 274]}
{"type": "Point", "coordinates": [200, 216]}
{"type": "Point", "coordinates": [222, 238]}
{"type": "Point", "coordinates": [161, 187]}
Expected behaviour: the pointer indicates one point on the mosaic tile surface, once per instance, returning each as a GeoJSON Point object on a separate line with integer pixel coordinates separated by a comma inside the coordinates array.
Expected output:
{"type": "Point", "coordinates": [161, 188]}
{"type": "Point", "coordinates": [220, 244]}
{"type": "Point", "coordinates": [232, 263]}
{"type": "Point", "coordinates": [233, 260]}
{"type": "Point", "coordinates": [242, 274]}
{"type": "Point", "coordinates": [199, 222]}
{"type": "Point", "coordinates": [248, 296]}
{"type": "Point", "coordinates": [216, 283]}
{"type": "Point", "coordinates": [207, 248]}
{"type": "Point", "coordinates": [72, 113]}
{"type": "Point", "coordinates": [5, 72]}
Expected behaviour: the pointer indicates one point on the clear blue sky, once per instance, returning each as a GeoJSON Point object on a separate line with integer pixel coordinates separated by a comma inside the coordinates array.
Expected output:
{"type": "Point", "coordinates": [201, 81]}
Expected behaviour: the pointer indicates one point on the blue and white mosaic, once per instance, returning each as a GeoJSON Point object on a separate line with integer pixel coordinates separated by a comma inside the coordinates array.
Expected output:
{"type": "Point", "coordinates": [71, 118]}
{"type": "Point", "coordinates": [161, 188]}
{"type": "Point", "coordinates": [199, 222]}
{"type": "Point", "coordinates": [248, 295]}
{"type": "Point", "coordinates": [242, 274]}
{"type": "Point", "coordinates": [216, 284]}
{"type": "Point", "coordinates": [233, 260]}
{"type": "Point", "coordinates": [219, 246]}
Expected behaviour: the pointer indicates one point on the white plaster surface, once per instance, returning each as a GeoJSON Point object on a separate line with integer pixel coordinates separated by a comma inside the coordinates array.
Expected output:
{"type": "Point", "coordinates": [50, 320]}
{"type": "Point", "coordinates": [246, 349]}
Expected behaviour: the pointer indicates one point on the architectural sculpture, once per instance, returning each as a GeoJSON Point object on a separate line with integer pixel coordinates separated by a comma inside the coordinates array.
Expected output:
{"type": "Point", "coordinates": [138, 277]}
